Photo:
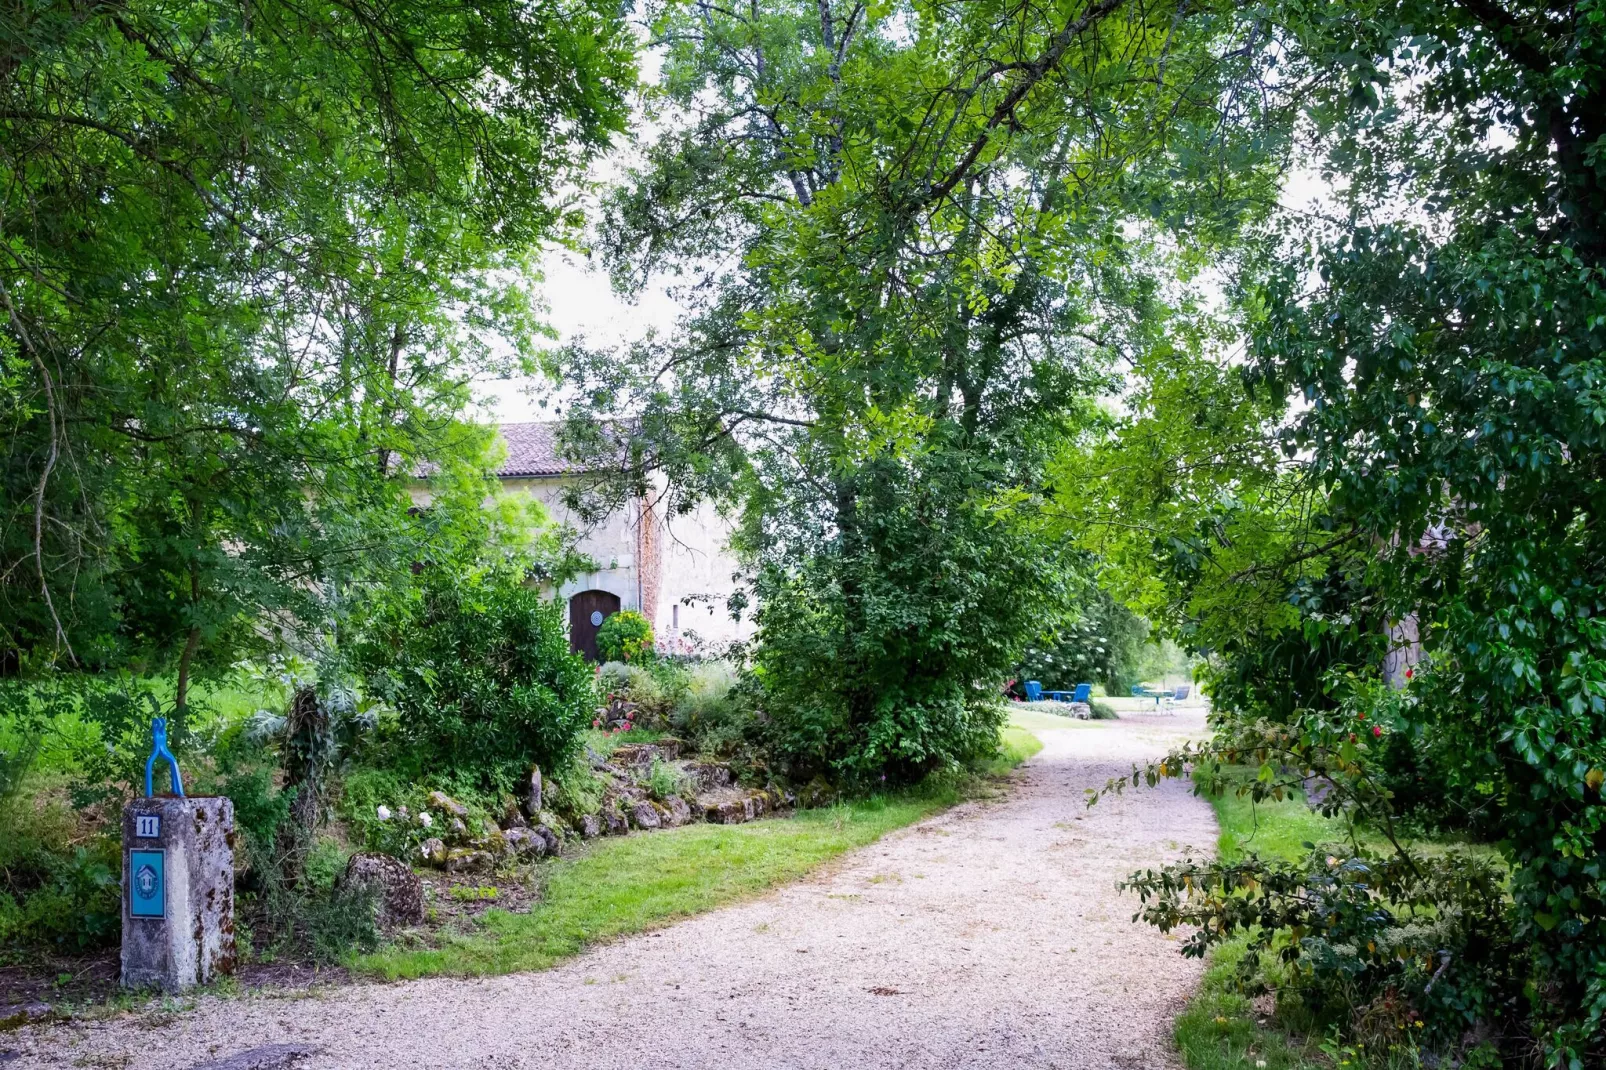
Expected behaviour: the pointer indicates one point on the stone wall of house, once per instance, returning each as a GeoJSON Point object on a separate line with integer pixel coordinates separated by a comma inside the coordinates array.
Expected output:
{"type": "Point", "coordinates": [612, 543]}
{"type": "Point", "coordinates": [698, 580]}
{"type": "Point", "coordinates": [677, 571]}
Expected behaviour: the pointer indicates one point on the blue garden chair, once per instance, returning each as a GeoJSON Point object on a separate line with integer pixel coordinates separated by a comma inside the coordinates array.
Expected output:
{"type": "Point", "coordinates": [1082, 693]}
{"type": "Point", "coordinates": [1034, 691]}
{"type": "Point", "coordinates": [1178, 696]}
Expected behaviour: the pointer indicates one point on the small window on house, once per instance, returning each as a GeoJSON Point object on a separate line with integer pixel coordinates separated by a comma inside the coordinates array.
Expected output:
{"type": "Point", "coordinates": [674, 616]}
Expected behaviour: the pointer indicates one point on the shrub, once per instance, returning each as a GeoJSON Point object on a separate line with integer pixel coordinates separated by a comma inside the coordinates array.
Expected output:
{"type": "Point", "coordinates": [259, 811]}
{"type": "Point", "coordinates": [664, 780]}
{"type": "Point", "coordinates": [325, 862]}
{"type": "Point", "coordinates": [76, 902]}
{"type": "Point", "coordinates": [1379, 947]}
{"type": "Point", "coordinates": [573, 791]}
{"type": "Point", "coordinates": [310, 914]}
{"type": "Point", "coordinates": [715, 714]}
{"type": "Point", "coordinates": [1376, 944]}
{"type": "Point", "coordinates": [654, 687]}
{"type": "Point", "coordinates": [364, 792]}
{"type": "Point", "coordinates": [484, 680]}
{"type": "Point", "coordinates": [880, 649]}
{"type": "Point", "coordinates": [634, 682]}
{"type": "Point", "coordinates": [1103, 711]}
{"type": "Point", "coordinates": [625, 636]}
{"type": "Point", "coordinates": [708, 689]}
{"type": "Point", "coordinates": [55, 888]}
{"type": "Point", "coordinates": [340, 921]}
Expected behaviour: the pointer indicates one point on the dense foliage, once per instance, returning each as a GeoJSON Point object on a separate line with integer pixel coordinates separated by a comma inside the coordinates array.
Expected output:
{"type": "Point", "coordinates": [885, 655]}
{"type": "Point", "coordinates": [250, 255]}
{"type": "Point", "coordinates": [251, 258]}
{"type": "Point", "coordinates": [1436, 476]}
{"type": "Point", "coordinates": [1105, 643]}
{"type": "Point", "coordinates": [984, 303]}
{"type": "Point", "coordinates": [483, 679]}
{"type": "Point", "coordinates": [913, 239]}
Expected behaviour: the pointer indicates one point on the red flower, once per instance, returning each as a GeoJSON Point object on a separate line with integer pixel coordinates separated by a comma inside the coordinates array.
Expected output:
{"type": "Point", "coordinates": [1363, 715]}
{"type": "Point", "coordinates": [1409, 673]}
{"type": "Point", "coordinates": [1352, 737]}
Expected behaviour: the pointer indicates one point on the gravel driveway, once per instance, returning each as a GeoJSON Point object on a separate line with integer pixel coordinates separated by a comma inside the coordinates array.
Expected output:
{"type": "Point", "coordinates": [989, 936]}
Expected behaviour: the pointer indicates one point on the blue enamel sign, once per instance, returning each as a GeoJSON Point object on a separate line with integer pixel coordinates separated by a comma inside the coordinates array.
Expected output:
{"type": "Point", "coordinates": [147, 896]}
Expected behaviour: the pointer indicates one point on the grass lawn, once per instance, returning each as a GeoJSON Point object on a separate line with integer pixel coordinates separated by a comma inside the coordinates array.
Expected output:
{"type": "Point", "coordinates": [1016, 743]}
{"type": "Point", "coordinates": [637, 883]}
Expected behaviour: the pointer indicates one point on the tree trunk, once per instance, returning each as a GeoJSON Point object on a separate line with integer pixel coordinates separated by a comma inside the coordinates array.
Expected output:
{"type": "Point", "coordinates": [308, 751]}
{"type": "Point", "coordinates": [181, 694]}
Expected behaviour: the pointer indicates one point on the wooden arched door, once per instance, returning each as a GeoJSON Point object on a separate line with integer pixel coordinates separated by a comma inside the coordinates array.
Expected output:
{"type": "Point", "coordinates": [587, 611]}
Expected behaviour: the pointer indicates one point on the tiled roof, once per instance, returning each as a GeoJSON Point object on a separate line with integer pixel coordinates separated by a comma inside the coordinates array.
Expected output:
{"type": "Point", "coordinates": [534, 449]}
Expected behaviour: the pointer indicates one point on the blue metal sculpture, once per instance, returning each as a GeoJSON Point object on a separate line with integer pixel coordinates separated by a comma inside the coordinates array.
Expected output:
{"type": "Point", "coordinates": [159, 750]}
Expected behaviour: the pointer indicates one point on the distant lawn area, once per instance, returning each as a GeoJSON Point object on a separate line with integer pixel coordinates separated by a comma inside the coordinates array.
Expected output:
{"type": "Point", "coordinates": [632, 884]}
{"type": "Point", "coordinates": [1016, 743]}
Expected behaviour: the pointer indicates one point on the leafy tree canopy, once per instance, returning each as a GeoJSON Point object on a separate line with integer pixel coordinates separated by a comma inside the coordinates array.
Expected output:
{"type": "Point", "coordinates": [1414, 448]}
{"type": "Point", "coordinates": [914, 238]}
{"type": "Point", "coordinates": [250, 255]}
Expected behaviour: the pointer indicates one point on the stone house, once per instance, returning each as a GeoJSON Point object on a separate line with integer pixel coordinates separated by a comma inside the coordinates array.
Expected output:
{"type": "Point", "coordinates": [678, 572]}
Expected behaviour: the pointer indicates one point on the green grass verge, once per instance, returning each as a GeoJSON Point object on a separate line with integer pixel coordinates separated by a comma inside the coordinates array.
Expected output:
{"type": "Point", "coordinates": [1016, 743]}
{"type": "Point", "coordinates": [638, 883]}
{"type": "Point", "coordinates": [1220, 1029]}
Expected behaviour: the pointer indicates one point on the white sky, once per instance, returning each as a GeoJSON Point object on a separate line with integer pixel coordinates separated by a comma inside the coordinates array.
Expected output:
{"type": "Point", "coordinates": [581, 303]}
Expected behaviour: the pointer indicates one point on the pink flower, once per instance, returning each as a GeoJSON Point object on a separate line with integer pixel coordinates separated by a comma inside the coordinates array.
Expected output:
{"type": "Point", "coordinates": [1377, 731]}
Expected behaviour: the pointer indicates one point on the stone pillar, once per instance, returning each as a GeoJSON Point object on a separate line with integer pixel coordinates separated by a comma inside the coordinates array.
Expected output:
{"type": "Point", "coordinates": [178, 892]}
{"type": "Point", "coordinates": [649, 567]}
